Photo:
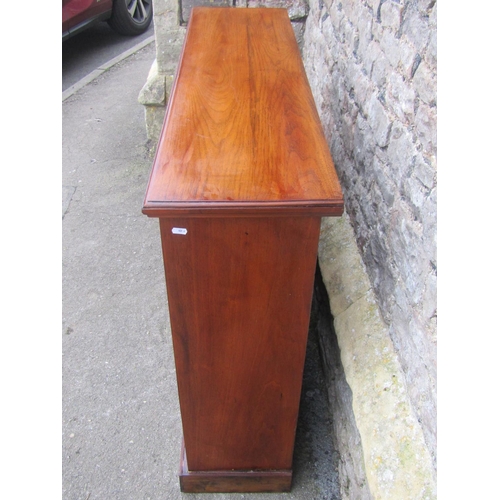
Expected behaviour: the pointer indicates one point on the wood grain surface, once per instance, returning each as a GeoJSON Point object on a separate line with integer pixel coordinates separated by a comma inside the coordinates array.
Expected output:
{"type": "Point", "coordinates": [242, 136]}
{"type": "Point", "coordinates": [232, 481]}
{"type": "Point", "coordinates": [240, 294]}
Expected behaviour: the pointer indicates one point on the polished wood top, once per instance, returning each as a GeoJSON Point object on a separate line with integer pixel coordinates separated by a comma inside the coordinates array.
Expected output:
{"type": "Point", "coordinates": [242, 136]}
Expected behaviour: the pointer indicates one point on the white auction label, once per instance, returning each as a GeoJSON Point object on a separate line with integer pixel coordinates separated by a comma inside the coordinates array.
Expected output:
{"type": "Point", "coordinates": [179, 230]}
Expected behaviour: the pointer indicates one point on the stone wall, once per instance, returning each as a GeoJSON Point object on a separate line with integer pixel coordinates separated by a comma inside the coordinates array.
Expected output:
{"type": "Point", "coordinates": [169, 37]}
{"type": "Point", "coordinates": [383, 453]}
{"type": "Point", "coordinates": [372, 68]}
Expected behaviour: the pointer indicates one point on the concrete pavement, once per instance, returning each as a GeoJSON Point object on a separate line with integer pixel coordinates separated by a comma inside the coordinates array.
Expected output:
{"type": "Point", "coordinates": [121, 422]}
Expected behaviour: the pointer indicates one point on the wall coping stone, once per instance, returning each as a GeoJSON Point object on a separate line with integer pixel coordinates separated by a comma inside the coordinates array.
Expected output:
{"type": "Point", "coordinates": [396, 459]}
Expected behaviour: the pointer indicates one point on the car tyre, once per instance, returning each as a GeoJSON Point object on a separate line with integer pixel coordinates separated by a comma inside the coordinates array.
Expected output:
{"type": "Point", "coordinates": [131, 17]}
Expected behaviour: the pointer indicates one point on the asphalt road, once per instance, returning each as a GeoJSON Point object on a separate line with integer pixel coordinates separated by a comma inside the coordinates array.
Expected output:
{"type": "Point", "coordinates": [86, 51]}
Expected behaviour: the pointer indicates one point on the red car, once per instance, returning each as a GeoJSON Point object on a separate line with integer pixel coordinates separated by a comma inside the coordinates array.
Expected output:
{"type": "Point", "coordinates": [127, 17]}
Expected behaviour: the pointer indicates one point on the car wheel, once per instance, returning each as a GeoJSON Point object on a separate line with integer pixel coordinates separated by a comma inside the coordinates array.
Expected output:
{"type": "Point", "coordinates": [131, 17]}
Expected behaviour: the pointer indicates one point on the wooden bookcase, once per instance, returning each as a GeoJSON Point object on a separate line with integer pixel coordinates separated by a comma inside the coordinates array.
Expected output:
{"type": "Point", "coordinates": [240, 181]}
